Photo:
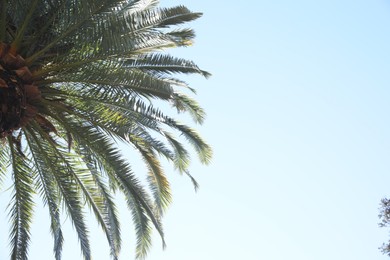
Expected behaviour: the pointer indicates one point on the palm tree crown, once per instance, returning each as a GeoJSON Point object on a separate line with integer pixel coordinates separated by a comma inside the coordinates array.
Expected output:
{"type": "Point", "coordinates": [76, 77]}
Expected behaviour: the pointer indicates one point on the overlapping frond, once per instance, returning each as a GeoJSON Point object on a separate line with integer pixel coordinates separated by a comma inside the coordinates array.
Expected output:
{"type": "Point", "coordinates": [21, 210]}
{"type": "Point", "coordinates": [87, 74]}
{"type": "Point", "coordinates": [48, 189]}
{"type": "Point", "coordinates": [52, 157]}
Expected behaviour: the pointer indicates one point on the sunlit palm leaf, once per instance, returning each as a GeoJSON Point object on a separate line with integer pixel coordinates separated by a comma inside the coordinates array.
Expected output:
{"type": "Point", "coordinates": [76, 77]}
{"type": "Point", "coordinates": [21, 204]}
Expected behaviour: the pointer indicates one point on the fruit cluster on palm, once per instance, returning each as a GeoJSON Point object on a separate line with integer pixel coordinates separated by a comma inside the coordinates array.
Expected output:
{"type": "Point", "coordinates": [76, 77]}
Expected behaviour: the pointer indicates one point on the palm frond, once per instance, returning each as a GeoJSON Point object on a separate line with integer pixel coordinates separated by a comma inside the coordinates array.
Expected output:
{"type": "Point", "coordinates": [182, 157]}
{"type": "Point", "coordinates": [66, 185]}
{"type": "Point", "coordinates": [159, 184]}
{"type": "Point", "coordinates": [202, 148]}
{"type": "Point", "coordinates": [49, 191]}
{"type": "Point", "coordinates": [120, 172]}
{"type": "Point", "coordinates": [4, 162]}
{"type": "Point", "coordinates": [164, 64]}
{"type": "Point", "coordinates": [77, 77]}
{"type": "Point", "coordinates": [184, 103]}
{"type": "Point", "coordinates": [22, 203]}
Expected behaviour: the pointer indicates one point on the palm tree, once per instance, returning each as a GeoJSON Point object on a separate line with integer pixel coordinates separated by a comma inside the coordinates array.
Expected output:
{"type": "Point", "coordinates": [77, 77]}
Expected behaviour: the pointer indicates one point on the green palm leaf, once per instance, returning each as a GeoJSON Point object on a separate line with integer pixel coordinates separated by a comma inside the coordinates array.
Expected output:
{"type": "Point", "coordinates": [21, 204]}
{"type": "Point", "coordinates": [76, 77]}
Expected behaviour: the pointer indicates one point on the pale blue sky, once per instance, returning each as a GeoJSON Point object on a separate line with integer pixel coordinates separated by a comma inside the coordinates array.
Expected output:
{"type": "Point", "coordinates": [298, 115]}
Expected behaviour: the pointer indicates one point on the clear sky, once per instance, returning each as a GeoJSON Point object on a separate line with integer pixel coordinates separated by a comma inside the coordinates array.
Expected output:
{"type": "Point", "coordinates": [298, 115]}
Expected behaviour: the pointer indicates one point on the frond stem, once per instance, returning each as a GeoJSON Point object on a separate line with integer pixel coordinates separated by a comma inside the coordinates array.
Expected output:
{"type": "Point", "coordinates": [160, 94]}
{"type": "Point", "coordinates": [60, 67]}
{"type": "Point", "coordinates": [15, 45]}
{"type": "Point", "coordinates": [70, 30]}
